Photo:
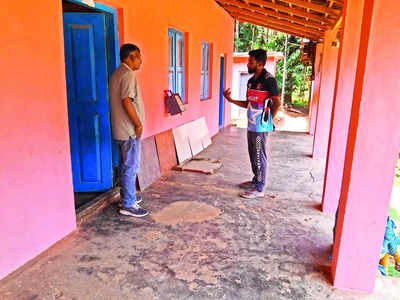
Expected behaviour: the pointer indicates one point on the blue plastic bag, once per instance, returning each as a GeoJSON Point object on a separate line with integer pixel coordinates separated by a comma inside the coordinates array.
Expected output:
{"type": "Point", "coordinates": [268, 125]}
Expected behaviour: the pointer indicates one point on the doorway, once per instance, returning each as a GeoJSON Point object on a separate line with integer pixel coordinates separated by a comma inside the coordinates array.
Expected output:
{"type": "Point", "coordinates": [90, 45]}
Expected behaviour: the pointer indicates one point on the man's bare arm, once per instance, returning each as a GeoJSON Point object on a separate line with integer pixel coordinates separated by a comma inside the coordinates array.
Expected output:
{"type": "Point", "coordinates": [227, 95]}
{"type": "Point", "coordinates": [133, 116]}
{"type": "Point", "coordinates": [276, 104]}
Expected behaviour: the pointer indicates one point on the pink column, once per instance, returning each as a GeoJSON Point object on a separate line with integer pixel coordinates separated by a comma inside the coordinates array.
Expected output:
{"type": "Point", "coordinates": [316, 87]}
{"type": "Point", "coordinates": [342, 104]}
{"type": "Point", "coordinates": [372, 150]}
{"type": "Point", "coordinates": [36, 191]}
{"type": "Point", "coordinates": [328, 79]}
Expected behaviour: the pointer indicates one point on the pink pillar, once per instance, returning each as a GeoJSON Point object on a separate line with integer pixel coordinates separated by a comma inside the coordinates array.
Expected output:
{"type": "Point", "coordinates": [372, 150]}
{"type": "Point", "coordinates": [36, 191]}
{"type": "Point", "coordinates": [328, 79]}
{"type": "Point", "coordinates": [316, 87]}
{"type": "Point", "coordinates": [346, 74]}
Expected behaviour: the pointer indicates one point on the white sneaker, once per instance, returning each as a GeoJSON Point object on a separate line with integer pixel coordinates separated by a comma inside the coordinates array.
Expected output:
{"type": "Point", "coordinates": [134, 211]}
{"type": "Point", "coordinates": [252, 194]}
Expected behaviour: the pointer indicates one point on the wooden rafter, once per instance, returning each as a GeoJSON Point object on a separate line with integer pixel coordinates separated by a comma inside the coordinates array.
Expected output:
{"type": "Point", "coordinates": [294, 11]}
{"type": "Point", "coordinates": [303, 18]}
{"type": "Point", "coordinates": [290, 10]}
{"type": "Point", "coordinates": [276, 22]}
{"type": "Point", "coordinates": [340, 2]}
{"type": "Point", "coordinates": [330, 4]}
{"type": "Point", "coordinates": [293, 33]}
{"type": "Point", "coordinates": [261, 11]}
{"type": "Point", "coordinates": [313, 6]}
{"type": "Point", "coordinates": [280, 28]}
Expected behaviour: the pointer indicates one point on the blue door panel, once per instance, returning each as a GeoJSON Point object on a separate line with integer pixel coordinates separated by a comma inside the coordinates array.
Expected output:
{"type": "Point", "coordinates": [83, 64]}
{"type": "Point", "coordinates": [89, 148]}
{"type": "Point", "coordinates": [88, 105]}
{"type": "Point", "coordinates": [221, 95]}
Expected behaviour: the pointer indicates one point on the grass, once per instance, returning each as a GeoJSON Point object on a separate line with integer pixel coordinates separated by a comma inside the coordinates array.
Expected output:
{"type": "Point", "coordinates": [393, 272]}
{"type": "Point", "coordinates": [300, 101]}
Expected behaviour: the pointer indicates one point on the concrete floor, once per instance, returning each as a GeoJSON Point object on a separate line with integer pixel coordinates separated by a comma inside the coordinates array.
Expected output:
{"type": "Point", "coordinates": [219, 247]}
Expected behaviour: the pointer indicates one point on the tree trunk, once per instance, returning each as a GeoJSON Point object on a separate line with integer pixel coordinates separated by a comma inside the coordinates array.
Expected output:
{"type": "Point", "coordinates": [252, 36]}
{"type": "Point", "coordinates": [237, 31]}
{"type": "Point", "coordinates": [284, 71]}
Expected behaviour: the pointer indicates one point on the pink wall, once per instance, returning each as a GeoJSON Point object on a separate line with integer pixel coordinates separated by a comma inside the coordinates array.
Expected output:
{"type": "Point", "coordinates": [372, 150]}
{"type": "Point", "coordinates": [36, 190]}
{"type": "Point", "coordinates": [342, 105]}
{"type": "Point", "coordinates": [146, 24]}
{"type": "Point", "coordinates": [316, 87]}
{"type": "Point", "coordinates": [328, 79]}
{"type": "Point", "coordinates": [36, 197]}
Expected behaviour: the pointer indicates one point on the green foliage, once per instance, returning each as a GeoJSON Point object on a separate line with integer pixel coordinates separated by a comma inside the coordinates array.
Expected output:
{"type": "Point", "coordinates": [397, 173]}
{"type": "Point", "coordinates": [394, 214]}
{"type": "Point", "coordinates": [393, 272]}
{"type": "Point", "coordinates": [297, 78]}
{"type": "Point", "coordinates": [299, 100]}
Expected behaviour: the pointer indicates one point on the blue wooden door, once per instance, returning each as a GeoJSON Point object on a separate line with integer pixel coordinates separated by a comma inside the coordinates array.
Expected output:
{"type": "Point", "coordinates": [221, 95]}
{"type": "Point", "coordinates": [88, 105]}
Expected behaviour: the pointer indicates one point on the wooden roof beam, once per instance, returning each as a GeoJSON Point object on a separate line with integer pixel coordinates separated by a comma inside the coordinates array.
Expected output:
{"type": "Point", "coordinates": [280, 28]}
{"type": "Point", "coordinates": [314, 7]}
{"type": "Point", "coordinates": [295, 11]}
{"type": "Point", "coordinates": [263, 12]}
{"type": "Point", "coordinates": [308, 10]}
{"type": "Point", "coordinates": [338, 2]}
{"type": "Point", "coordinates": [249, 15]}
{"type": "Point", "coordinates": [330, 3]}
{"type": "Point", "coordinates": [297, 34]}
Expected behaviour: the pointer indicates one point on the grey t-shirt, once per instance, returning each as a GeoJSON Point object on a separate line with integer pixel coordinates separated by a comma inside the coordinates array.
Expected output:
{"type": "Point", "coordinates": [123, 85]}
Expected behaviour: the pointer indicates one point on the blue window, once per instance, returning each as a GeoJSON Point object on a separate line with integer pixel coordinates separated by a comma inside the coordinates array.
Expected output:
{"type": "Point", "coordinates": [205, 71]}
{"type": "Point", "coordinates": [176, 71]}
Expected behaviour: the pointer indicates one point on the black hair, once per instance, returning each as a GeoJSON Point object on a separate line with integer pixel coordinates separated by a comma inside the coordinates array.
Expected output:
{"type": "Point", "coordinates": [127, 49]}
{"type": "Point", "coordinates": [260, 55]}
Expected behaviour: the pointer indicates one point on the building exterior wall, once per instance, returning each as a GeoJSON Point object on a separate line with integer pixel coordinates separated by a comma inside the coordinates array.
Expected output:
{"type": "Point", "coordinates": [36, 196]}
{"type": "Point", "coordinates": [326, 94]}
{"type": "Point", "coordinates": [146, 24]}
{"type": "Point", "coordinates": [36, 192]}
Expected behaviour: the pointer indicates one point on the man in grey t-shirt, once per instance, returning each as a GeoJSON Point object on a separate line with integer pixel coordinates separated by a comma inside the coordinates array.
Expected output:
{"type": "Point", "coordinates": [127, 120]}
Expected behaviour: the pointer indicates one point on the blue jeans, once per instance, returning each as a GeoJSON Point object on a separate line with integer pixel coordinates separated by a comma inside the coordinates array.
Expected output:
{"type": "Point", "coordinates": [129, 160]}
